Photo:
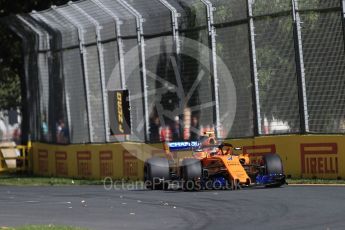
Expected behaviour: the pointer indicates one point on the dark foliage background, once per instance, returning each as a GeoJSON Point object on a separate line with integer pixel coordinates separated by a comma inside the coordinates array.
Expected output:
{"type": "Point", "coordinates": [11, 63]}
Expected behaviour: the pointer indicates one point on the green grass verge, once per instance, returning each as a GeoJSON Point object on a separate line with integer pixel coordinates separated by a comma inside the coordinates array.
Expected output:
{"type": "Point", "coordinates": [26, 180]}
{"type": "Point", "coordinates": [315, 181]}
{"type": "Point", "coordinates": [29, 180]}
{"type": "Point", "coordinates": [42, 227]}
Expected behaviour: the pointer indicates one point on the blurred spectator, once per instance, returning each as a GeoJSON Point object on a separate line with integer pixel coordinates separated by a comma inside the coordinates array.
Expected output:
{"type": "Point", "coordinates": [12, 117]}
{"type": "Point", "coordinates": [194, 129]}
{"type": "Point", "coordinates": [61, 133]}
{"type": "Point", "coordinates": [165, 134]}
{"type": "Point", "coordinates": [3, 129]}
{"type": "Point", "coordinates": [16, 136]}
{"type": "Point", "coordinates": [176, 130]}
{"type": "Point", "coordinates": [44, 128]}
{"type": "Point", "coordinates": [154, 129]}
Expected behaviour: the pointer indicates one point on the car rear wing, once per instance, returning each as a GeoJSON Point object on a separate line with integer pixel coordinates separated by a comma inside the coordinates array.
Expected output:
{"type": "Point", "coordinates": [182, 146]}
{"type": "Point", "coordinates": [191, 146]}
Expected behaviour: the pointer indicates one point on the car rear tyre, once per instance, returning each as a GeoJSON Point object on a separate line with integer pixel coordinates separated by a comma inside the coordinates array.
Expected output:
{"type": "Point", "coordinates": [191, 172]}
{"type": "Point", "coordinates": [156, 173]}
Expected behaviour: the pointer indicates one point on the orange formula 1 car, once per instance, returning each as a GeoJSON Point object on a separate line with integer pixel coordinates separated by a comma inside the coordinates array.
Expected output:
{"type": "Point", "coordinates": [213, 166]}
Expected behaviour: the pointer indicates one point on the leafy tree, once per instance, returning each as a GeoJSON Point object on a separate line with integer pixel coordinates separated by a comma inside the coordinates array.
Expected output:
{"type": "Point", "coordinates": [11, 63]}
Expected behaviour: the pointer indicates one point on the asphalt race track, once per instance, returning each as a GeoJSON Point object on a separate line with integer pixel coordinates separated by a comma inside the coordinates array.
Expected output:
{"type": "Point", "coordinates": [290, 207]}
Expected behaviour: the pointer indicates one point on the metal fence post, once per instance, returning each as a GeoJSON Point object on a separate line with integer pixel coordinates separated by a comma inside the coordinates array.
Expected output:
{"type": "Point", "coordinates": [118, 24]}
{"type": "Point", "coordinates": [213, 47]}
{"type": "Point", "coordinates": [177, 45]}
{"type": "Point", "coordinates": [254, 72]}
{"type": "Point", "coordinates": [49, 23]}
{"type": "Point", "coordinates": [342, 2]}
{"type": "Point", "coordinates": [84, 69]}
{"type": "Point", "coordinates": [67, 98]}
{"type": "Point", "coordinates": [41, 36]}
{"type": "Point", "coordinates": [35, 30]}
{"type": "Point", "coordinates": [28, 93]}
{"type": "Point", "coordinates": [140, 20]}
{"type": "Point", "coordinates": [25, 126]}
{"type": "Point", "coordinates": [175, 15]}
{"type": "Point", "coordinates": [303, 101]}
{"type": "Point", "coordinates": [120, 53]}
{"type": "Point", "coordinates": [102, 71]}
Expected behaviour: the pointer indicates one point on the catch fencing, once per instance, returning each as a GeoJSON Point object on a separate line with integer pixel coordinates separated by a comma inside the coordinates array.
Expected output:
{"type": "Point", "coordinates": [241, 68]}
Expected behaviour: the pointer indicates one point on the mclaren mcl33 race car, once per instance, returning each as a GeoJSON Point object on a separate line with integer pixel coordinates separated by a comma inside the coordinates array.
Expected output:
{"type": "Point", "coordinates": [213, 166]}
